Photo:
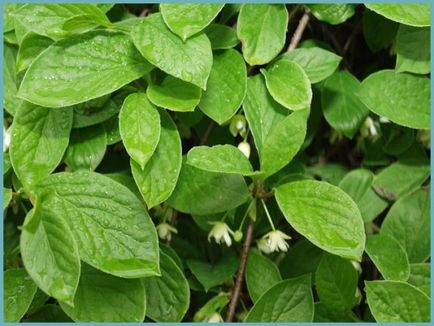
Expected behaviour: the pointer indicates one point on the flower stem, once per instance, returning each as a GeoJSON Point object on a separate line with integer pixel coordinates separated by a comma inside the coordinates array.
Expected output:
{"type": "Point", "coordinates": [268, 215]}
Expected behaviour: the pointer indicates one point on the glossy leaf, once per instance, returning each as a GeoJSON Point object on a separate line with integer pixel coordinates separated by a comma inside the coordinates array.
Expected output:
{"type": "Point", "coordinates": [332, 13]}
{"type": "Point", "coordinates": [325, 215]}
{"type": "Point", "coordinates": [378, 31]}
{"type": "Point", "coordinates": [10, 85]}
{"type": "Point", "coordinates": [94, 112]}
{"type": "Point", "coordinates": [413, 50]}
{"type": "Point", "coordinates": [420, 276]}
{"type": "Point", "coordinates": [414, 14]}
{"type": "Point", "coordinates": [222, 37]}
{"type": "Point", "coordinates": [31, 46]}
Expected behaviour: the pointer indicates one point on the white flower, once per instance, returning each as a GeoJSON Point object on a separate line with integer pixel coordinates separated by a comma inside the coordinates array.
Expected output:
{"type": "Point", "coordinates": [6, 139]}
{"type": "Point", "coordinates": [220, 232]}
{"type": "Point", "coordinates": [244, 147]}
{"type": "Point", "coordinates": [215, 318]}
{"type": "Point", "coordinates": [165, 231]}
{"type": "Point", "coordinates": [369, 128]}
{"type": "Point", "coordinates": [273, 241]}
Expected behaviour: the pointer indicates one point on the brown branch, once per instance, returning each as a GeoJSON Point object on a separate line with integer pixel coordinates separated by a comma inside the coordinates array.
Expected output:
{"type": "Point", "coordinates": [240, 275]}
{"type": "Point", "coordinates": [207, 133]}
{"type": "Point", "coordinates": [296, 37]}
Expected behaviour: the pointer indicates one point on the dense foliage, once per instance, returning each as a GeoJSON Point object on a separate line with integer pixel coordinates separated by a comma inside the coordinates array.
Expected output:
{"type": "Point", "coordinates": [209, 162]}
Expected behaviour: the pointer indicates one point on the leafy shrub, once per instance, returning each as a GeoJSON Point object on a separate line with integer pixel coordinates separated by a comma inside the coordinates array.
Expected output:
{"type": "Point", "coordinates": [127, 199]}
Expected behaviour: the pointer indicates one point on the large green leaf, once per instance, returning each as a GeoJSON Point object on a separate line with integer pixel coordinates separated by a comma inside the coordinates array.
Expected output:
{"type": "Point", "coordinates": [288, 84]}
{"type": "Point", "coordinates": [414, 14]}
{"type": "Point", "coordinates": [226, 87]}
{"type": "Point", "coordinates": [39, 139]}
{"type": "Point", "coordinates": [261, 274]}
{"type": "Point", "coordinates": [316, 62]}
{"type": "Point", "coordinates": [420, 276]}
{"type": "Point", "coordinates": [342, 109]}
{"type": "Point", "coordinates": [261, 29]}
{"type": "Point", "coordinates": [50, 253]}
{"type": "Point", "coordinates": [174, 94]}
{"type": "Point", "coordinates": [392, 301]}
{"type": "Point", "coordinates": [168, 295]}
{"type": "Point", "coordinates": [325, 215]}
{"type": "Point", "coordinates": [113, 231]}
{"type": "Point", "coordinates": [102, 297]}
{"type": "Point", "coordinates": [186, 20]}
{"type": "Point", "coordinates": [219, 158]}
{"type": "Point", "coordinates": [10, 84]}
{"type": "Point", "coordinates": [408, 221]}
{"type": "Point", "coordinates": [82, 67]}
{"type": "Point", "coordinates": [18, 293]}
{"type": "Point", "coordinates": [332, 13]}
{"type": "Point", "coordinates": [388, 256]}
{"type": "Point", "coordinates": [413, 49]}
{"type": "Point", "coordinates": [160, 175]}
{"type": "Point", "coordinates": [190, 61]}
{"type": "Point", "coordinates": [139, 126]}
{"type": "Point", "coordinates": [378, 31]}
{"type": "Point", "coordinates": [400, 97]}
{"type": "Point", "coordinates": [31, 46]}
{"type": "Point", "coordinates": [336, 283]}
{"type": "Point", "coordinates": [95, 111]}
{"type": "Point", "coordinates": [287, 301]}
{"type": "Point", "coordinates": [204, 192]}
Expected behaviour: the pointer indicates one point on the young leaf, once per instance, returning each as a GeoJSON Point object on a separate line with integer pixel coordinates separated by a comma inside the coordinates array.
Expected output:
{"type": "Point", "coordinates": [413, 14]}
{"type": "Point", "coordinates": [50, 254]}
{"type": "Point", "coordinates": [104, 298]}
{"type": "Point", "coordinates": [261, 29]}
{"type": "Point", "coordinates": [325, 215]}
{"type": "Point", "coordinates": [388, 256]}
{"type": "Point", "coordinates": [168, 295]}
{"type": "Point", "coordinates": [113, 231]}
{"type": "Point", "coordinates": [413, 305]}
{"type": "Point", "coordinates": [226, 87]}
{"type": "Point", "coordinates": [31, 46]}
{"type": "Point", "coordinates": [82, 67]}
{"type": "Point", "coordinates": [39, 139]}
{"type": "Point", "coordinates": [413, 50]}
{"type": "Point", "coordinates": [342, 109]}
{"type": "Point", "coordinates": [19, 290]}
{"type": "Point", "coordinates": [288, 84]}
{"type": "Point", "coordinates": [222, 37]}
{"type": "Point", "coordinates": [400, 97]}
{"type": "Point", "coordinates": [160, 175]}
{"type": "Point", "coordinates": [190, 61]}
{"type": "Point", "coordinates": [139, 126]}
{"type": "Point", "coordinates": [332, 13]}
{"type": "Point", "coordinates": [174, 94]}
{"type": "Point", "coordinates": [219, 158]}
{"type": "Point", "coordinates": [261, 275]}
{"type": "Point", "coordinates": [186, 20]}
{"type": "Point", "coordinates": [288, 301]}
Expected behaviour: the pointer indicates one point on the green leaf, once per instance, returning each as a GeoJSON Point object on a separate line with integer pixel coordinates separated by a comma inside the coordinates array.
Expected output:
{"type": "Point", "coordinates": [203, 192]}
{"type": "Point", "coordinates": [261, 274]}
{"type": "Point", "coordinates": [332, 13]}
{"type": "Point", "coordinates": [288, 301]}
{"type": "Point", "coordinates": [113, 231]}
{"type": "Point", "coordinates": [414, 14]}
{"type": "Point", "coordinates": [104, 298]}
{"type": "Point", "coordinates": [139, 126]}
{"type": "Point", "coordinates": [174, 94]}
{"type": "Point", "coordinates": [86, 22]}
{"type": "Point", "coordinates": [210, 275]}
{"type": "Point", "coordinates": [86, 148]}
{"type": "Point", "coordinates": [39, 139]}
{"type": "Point", "coordinates": [400, 97]}
{"type": "Point", "coordinates": [336, 283]}
{"type": "Point", "coordinates": [342, 109]}
{"type": "Point", "coordinates": [217, 303]}
{"type": "Point", "coordinates": [222, 37]}
{"type": "Point", "coordinates": [317, 63]}
{"type": "Point", "coordinates": [81, 68]}
{"type": "Point", "coordinates": [160, 175]}
{"type": "Point", "coordinates": [261, 29]}
{"type": "Point", "coordinates": [94, 111]}
{"type": "Point", "coordinates": [168, 295]}
{"type": "Point", "coordinates": [18, 294]}
{"type": "Point", "coordinates": [10, 102]}
{"type": "Point", "coordinates": [49, 313]}
{"type": "Point", "coordinates": [332, 172]}
{"type": "Point", "coordinates": [7, 197]}
{"type": "Point", "coordinates": [408, 221]}
{"type": "Point", "coordinates": [413, 305]}
{"type": "Point", "coordinates": [288, 84]}
{"type": "Point", "coordinates": [190, 61]}
{"type": "Point", "coordinates": [31, 46]}
{"type": "Point", "coordinates": [186, 20]}
{"type": "Point", "coordinates": [8, 19]}
{"type": "Point", "coordinates": [378, 31]}
{"type": "Point", "coordinates": [413, 50]}
{"type": "Point", "coordinates": [420, 276]}
{"type": "Point", "coordinates": [324, 314]}
{"type": "Point", "coordinates": [388, 256]}
{"type": "Point", "coordinates": [325, 215]}
{"type": "Point", "coordinates": [111, 127]}
{"type": "Point", "coordinates": [50, 253]}
{"type": "Point", "coordinates": [226, 87]}
{"type": "Point", "coordinates": [219, 158]}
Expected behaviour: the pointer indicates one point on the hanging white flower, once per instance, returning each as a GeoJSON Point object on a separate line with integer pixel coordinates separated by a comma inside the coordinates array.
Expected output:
{"type": "Point", "coordinates": [244, 147]}
{"type": "Point", "coordinates": [165, 231]}
{"type": "Point", "coordinates": [220, 232]}
{"type": "Point", "coordinates": [6, 139]}
{"type": "Point", "coordinates": [273, 241]}
{"type": "Point", "coordinates": [215, 318]}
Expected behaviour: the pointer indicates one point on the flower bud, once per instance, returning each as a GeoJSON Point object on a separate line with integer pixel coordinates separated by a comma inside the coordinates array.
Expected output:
{"type": "Point", "coordinates": [6, 139]}
{"type": "Point", "coordinates": [244, 147]}
{"type": "Point", "coordinates": [238, 125]}
{"type": "Point", "coordinates": [238, 235]}
{"type": "Point", "coordinates": [215, 318]}
{"type": "Point", "coordinates": [165, 231]}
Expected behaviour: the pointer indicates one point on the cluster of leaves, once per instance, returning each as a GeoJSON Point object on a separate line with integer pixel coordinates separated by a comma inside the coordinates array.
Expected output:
{"type": "Point", "coordinates": [124, 122]}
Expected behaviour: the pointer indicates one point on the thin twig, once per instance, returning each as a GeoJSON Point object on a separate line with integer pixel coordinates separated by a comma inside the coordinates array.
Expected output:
{"type": "Point", "coordinates": [207, 133]}
{"type": "Point", "coordinates": [240, 275]}
{"type": "Point", "coordinates": [296, 37]}
{"type": "Point", "coordinates": [144, 12]}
